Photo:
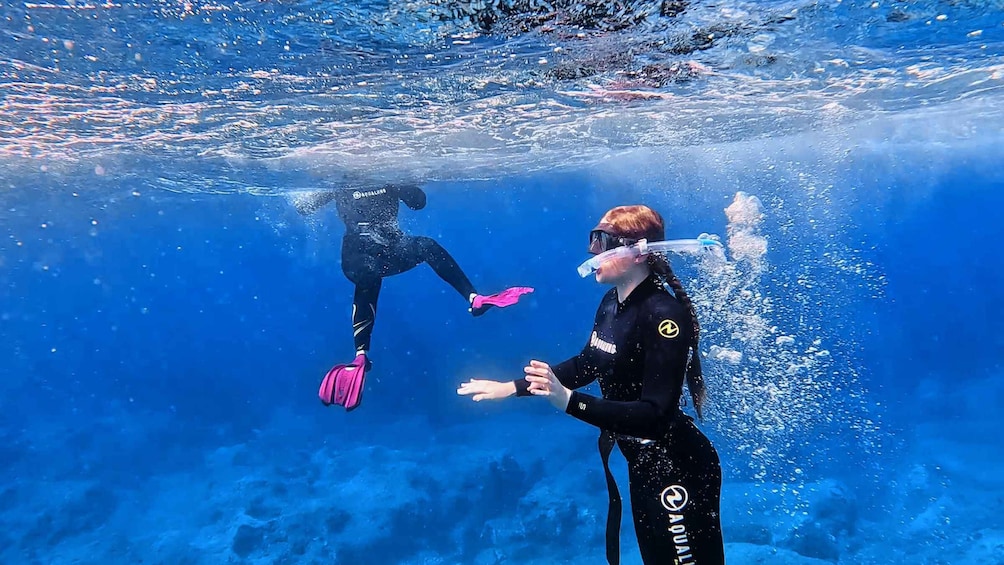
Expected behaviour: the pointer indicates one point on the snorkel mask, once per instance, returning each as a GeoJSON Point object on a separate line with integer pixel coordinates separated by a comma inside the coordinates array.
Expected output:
{"type": "Point", "coordinates": [608, 247]}
{"type": "Point", "coordinates": [601, 241]}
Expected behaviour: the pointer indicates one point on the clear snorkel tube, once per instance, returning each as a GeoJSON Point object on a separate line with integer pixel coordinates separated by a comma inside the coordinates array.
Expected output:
{"type": "Point", "coordinates": [702, 244]}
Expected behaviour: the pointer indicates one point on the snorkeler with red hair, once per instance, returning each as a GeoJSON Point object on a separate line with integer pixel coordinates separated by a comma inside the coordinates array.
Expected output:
{"type": "Point", "coordinates": [642, 350]}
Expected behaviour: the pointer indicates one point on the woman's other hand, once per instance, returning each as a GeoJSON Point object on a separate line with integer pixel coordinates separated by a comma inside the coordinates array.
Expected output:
{"type": "Point", "coordinates": [487, 390]}
{"type": "Point", "coordinates": [544, 383]}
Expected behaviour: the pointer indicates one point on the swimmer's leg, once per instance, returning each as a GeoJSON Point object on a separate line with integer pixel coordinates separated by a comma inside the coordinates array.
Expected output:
{"type": "Point", "coordinates": [416, 250]}
{"type": "Point", "coordinates": [363, 268]}
{"type": "Point", "coordinates": [343, 384]}
{"type": "Point", "coordinates": [427, 250]}
{"type": "Point", "coordinates": [364, 307]}
{"type": "Point", "coordinates": [448, 270]}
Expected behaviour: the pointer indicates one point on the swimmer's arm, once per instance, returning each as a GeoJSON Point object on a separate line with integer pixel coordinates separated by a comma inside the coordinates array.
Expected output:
{"type": "Point", "coordinates": [575, 372]}
{"type": "Point", "coordinates": [664, 364]}
{"type": "Point", "coordinates": [307, 204]}
{"type": "Point", "coordinates": [412, 196]}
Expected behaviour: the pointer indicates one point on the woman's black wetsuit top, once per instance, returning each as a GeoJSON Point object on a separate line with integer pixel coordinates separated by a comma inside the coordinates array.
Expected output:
{"type": "Point", "coordinates": [638, 351]}
{"type": "Point", "coordinates": [374, 247]}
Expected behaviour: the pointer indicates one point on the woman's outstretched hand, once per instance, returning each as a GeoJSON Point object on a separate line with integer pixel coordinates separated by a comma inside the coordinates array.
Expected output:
{"type": "Point", "coordinates": [487, 390]}
{"type": "Point", "coordinates": [544, 383]}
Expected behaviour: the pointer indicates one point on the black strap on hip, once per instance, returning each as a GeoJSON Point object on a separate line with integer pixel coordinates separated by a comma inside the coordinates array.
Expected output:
{"type": "Point", "coordinates": [606, 445]}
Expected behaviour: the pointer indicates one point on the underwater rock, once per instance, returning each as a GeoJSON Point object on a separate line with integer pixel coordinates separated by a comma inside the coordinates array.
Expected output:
{"type": "Point", "coordinates": [659, 75]}
{"type": "Point", "coordinates": [443, 516]}
{"type": "Point", "coordinates": [987, 546]}
{"type": "Point", "coordinates": [834, 507]}
{"type": "Point", "coordinates": [336, 520]}
{"type": "Point", "coordinates": [672, 8]}
{"type": "Point", "coordinates": [545, 519]}
{"type": "Point", "coordinates": [520, 16]}
{"type": "Point", "coordinates": [759, 60]}
{"type": "Point", "coordinates": [749, 532]}
{"type": "Point", "coordinates": [897, 15]}
{"type": "Point", "coordinates": [248, 540]}
{"type": "Point", "coordinates": [506, 482]}
{"type": "Point", "coordinates": [571, 71]}
{"type": "Point", "coordinates": [559, 516]}
{"type": "Point", "coordinates": [9, 497]}
{"type": "Point", "coordinates": [832, 516]}
{"type": "Point", "coordinates": [85, 514]}
{"type": "Point", "coordinates": [813, 540]}
{"type": "Point", "coordinates": [762, 513]}
{"type": "Point", "coordinates": [260, 509]}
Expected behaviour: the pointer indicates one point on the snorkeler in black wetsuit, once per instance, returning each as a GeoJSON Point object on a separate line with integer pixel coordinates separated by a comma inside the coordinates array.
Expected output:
{"type": "Point", "coordinates": [642, 349]}
{"type": "Point", "coordinates": [375, 247]}
{"type": "Point", "coordinates": [639, 352]}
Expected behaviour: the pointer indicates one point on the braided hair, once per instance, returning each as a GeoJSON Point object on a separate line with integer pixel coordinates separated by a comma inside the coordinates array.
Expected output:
{"type": "Point", "coordinates": [642, 222]}
{"type": "Point", "coordinates": [695, 377]}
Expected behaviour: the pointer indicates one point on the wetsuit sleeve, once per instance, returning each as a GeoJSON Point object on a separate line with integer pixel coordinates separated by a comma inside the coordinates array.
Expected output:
{"type": "Point", "coordinates": [572, 373]}
{"type": "Point", "coordinates": [412, 196]}
{"type": "Point", "coordinates": [664, 343]}
{"type": "Point", "coordinates": [576, 372]}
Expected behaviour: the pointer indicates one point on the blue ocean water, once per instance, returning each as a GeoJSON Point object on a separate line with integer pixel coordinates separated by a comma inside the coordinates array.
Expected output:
{"type": "Point", "coordinates": [166, 315]}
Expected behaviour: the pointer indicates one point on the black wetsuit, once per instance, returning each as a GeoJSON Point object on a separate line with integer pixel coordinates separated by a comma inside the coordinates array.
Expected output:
{"type": "Point", "coordinates": [374, 247]}
{"type": "Point", "coordinates": [639, 351]}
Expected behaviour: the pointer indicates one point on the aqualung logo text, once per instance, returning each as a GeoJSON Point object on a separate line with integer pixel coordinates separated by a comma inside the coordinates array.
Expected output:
{"type": "Point", "coordinates": [675, 498]}
{"type": "Point", "coordinates": [367, 194]}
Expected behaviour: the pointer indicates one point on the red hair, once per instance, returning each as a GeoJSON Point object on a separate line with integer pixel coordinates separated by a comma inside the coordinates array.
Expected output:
{"type": "Point", "coordinates": [635, 222]}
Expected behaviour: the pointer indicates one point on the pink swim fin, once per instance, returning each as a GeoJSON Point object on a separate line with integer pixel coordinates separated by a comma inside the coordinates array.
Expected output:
{"type": "Point", "coordinates": [507, 297]}
{"type": "Point", "coordinates": [343, 385]}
